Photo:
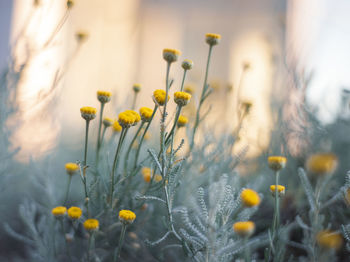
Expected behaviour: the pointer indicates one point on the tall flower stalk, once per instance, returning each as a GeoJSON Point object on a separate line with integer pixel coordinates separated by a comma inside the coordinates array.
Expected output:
{"type": "Point", "coordinates": [126, 119]}
{"type": "Point", "coordinates": [143, 136]}
{"type": "Point", "coordinates": [276, 163]}
{"type": "Point", "coordinates": [104, 97]}
{"type": "Point", "coordinates": [211, 40]}
{"type": "Point", "coordinates": [88, 113]}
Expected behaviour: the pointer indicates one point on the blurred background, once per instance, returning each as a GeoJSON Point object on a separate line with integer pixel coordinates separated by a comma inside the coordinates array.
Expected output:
{"type": "Point", "coordinates": [265, 43]}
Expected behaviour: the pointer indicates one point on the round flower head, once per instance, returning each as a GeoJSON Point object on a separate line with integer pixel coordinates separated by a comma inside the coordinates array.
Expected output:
{"type": "Point", "coordinates": [117, 127]}
{"type": "Point", "coordinates": [212, 39]}
{"type": "Point", "coordinates": [59, 211]}
{"type": "Point", "coordinates": [189, 89]}
{"type": "Point", "coordinates": [146, 114]}
{"type": "Point", "coordinates": [276, 163]}
{"type": "Point", "coordinates": [244, 228]}
{"type": "Point", "coordinates": [126, 217]}
{"type": "Point", "coordinates": [104, 96]}
{"type": "Point", "coordinates": [246, 106]}
{"type": "Point", "coordinates": [322, 163]}
{"type": "Point", "coordinates": [136, 116]}
{"type": "Point", "coordinates": [246, 65]}
{"type": "Point", "coordinates": [146, 173]}
{"type": "Point", "coordinates": [71, 168]}
{"type": "Point", "coordinates": [88, 113]}
{"type": "Point", "coordinates": [250, 198]}
{"type": "Point", "coordinates": [159, 97]}
{"type": "Point", "coordinates": [136, 88]}
{"type": "Point", "coordinates": [74, 213]}
{"type": "Point", "coordinates": [281, 190]}
{"type": "Point", "coordinates": [128, 118]}
{"type": "Point", "coordinates": [158, 178]}
{"type": "Point", "coordinates": [81, 36]}
{"type": "Point", "coordinates": [182, 121]}
{"type": "Point", "coordinates": [171, 55]}
{"type": "Point", "coordinates": [181, 98]}
{"type": "Point", "coordinates": [70, 4]}
{"type": "Point", "coordinates": [107, 121]}
{"type": "Point", "coordinates": [328, 239]}
{"type": "Point", "coordinates": [91, 224]}
{"type": "Point", "coordinates": [187, 64]}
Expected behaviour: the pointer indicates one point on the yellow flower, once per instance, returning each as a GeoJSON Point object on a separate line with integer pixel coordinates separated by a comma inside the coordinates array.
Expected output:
{"type": "Point", "coordinates": [159, 97]}
{"type": "Point", "coordinates": [59, 211]}
{"type": "Point", "coordinates": [126, 216]}
{"type": "Point", "coordinates": [71, 168]}
{"type": "Point", "coordinates": [250, 198]}
{"type": "Point", "coordinates": [81, 36]}
{"type": "Point", "coordinates": [158, 178]}
{"type": "Point", "coordinates": [128, 118]}
{"type": "Point", "coordinates": [88, 113]}
{"type": "Point", "coordinates": [182, 121]}
{"type": "Point", "coordinates": [104, 96]}
{"type": "Point", "coordinates": [117, 127]}
{"type": "Point", "coordinates": [181, 98]}
{"type": "Point", "coordinates": [322, 163]}
{"type": "Point", "coordinates": [244, 228]}
{"type": "Point", "coordinates": [187, 64]}
{"type": "Point", "coordinates": [135, 114]}
{"type": "Point", "coordinates": [276, 163]}
{"type": "Point", "coordinates": [189, 89]}
{"type": "Point", "coordinates": [146, 114]}
{"type": "Point", "coordinates": [74, 213]}
{"type": "Point", "coordinates": [136, 88]}
{"type": "Point", "coordinates": [107, 121]}
{"type": "Point", "coordinates": [329, 239]}
{"type": "Point", "coordinates": [212, 39]}
{"type": "Point", "coordinates": [171, 55]}
{"type": "Point", "coordinates": [70, 4]}
{"type": "Point", "coordinates": [281, 190]}
{"type": "Point", "coordinates": [91, 224]}
{"type": "Point", "coordinates": [146, 173]}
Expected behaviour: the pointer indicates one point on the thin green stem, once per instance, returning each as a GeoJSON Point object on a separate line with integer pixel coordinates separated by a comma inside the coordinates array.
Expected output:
{"type": "Point", "coordinates": [99, 133]}
{"type": "Point", "coordinates": [134, 101]}
{"type": "Point", "coordinates": [204, 91]}
{"type": "Point", "coordinates": [65, 240]}
{"type": "Point", "coordinates": [162, 124]}
{"type": "Point", "coordinates": [89, 246]}
{"type": "Point", "coordinates": [67, 189]}
{"type": "Point", "coordinates": [276, 219]}
{"type": "Point", "coordinates": [115, 162]}
{"type": "Point", "coordinates": [246, 250]}
{"type": "Point", "coordinates": [143, 136]}
{"type": "Point", "coordinates": [172, 131]}
{"type": "Point", "coordinates": [58, 28]}
{"type": "Point", "coordinates": [130, 147]}
{"type": "Point", "coordinates": [86, 141]}
{"type": "Point", "coordinates": [183, 80]}
{"type": "Point", "coordinates": [121, 242]}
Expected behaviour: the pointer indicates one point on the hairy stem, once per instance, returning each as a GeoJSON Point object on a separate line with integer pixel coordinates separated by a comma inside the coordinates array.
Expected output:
{"type": "Point", "coordinates": [121, 241]}
{"type": "Point", "coordinates": [204, 91]}
{"type": "Point", "coordinates": [143, 136]}
{"type": "Point", "coordinates": [99, 133]}
{"type": "Point", "coordinates": [115, 162]}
